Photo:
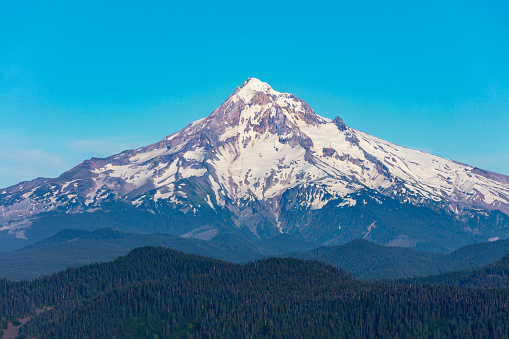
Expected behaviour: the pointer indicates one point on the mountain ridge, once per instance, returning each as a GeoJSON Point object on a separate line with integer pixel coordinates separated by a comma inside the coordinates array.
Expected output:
{"type": "Point", "coordinates": [369, 261]}
{"type": "Point", "coordinates": [361, 258]}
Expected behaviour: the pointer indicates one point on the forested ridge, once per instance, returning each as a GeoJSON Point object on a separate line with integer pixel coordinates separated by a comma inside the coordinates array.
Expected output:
{"type": "Point", "coordinates": [362, 258]}
{"type": "Point", "coordinates": [157, 292]}
{"type": "Point", "coordinates": [367, 260]}
{"type": "Point", "coordinates": [495, 275]}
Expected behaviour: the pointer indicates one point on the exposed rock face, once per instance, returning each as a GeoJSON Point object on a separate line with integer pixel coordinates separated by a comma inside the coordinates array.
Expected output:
{"type": "Point", "coordinates": [339, 123]}
{"type": "Point", "coordinates": [328, 152]}
{"type": "Point", "coordinates": [241, 162]}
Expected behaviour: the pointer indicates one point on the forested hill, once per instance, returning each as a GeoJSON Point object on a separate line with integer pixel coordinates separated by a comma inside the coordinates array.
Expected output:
{"type": "Point", "coordinates": [157, 292]}
{"type": "Point", "coordinates": [495, 275]}
{"type": "Point", "coordinates": [73, 248]}
{"type": "Point", "coordinates": [367, 260]}
{"type": "Point", "coordinates": [362, 258]}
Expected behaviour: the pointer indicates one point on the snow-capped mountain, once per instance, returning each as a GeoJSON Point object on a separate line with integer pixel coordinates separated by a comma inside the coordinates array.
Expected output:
{"type": "Point", "coordinates": [266, 163]}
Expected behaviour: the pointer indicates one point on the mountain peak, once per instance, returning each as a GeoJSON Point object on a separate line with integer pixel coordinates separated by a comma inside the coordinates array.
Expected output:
{"type": "Point", "coordinates": [254, 84]}
{"type": "Point", "coordinates": [251, 87]}
{"type": "Point", "coordinates": [256, 108]}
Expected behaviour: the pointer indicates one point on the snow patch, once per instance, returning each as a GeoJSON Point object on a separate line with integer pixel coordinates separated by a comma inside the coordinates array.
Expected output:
{"type": "Point", "coordinates": [347, 202]}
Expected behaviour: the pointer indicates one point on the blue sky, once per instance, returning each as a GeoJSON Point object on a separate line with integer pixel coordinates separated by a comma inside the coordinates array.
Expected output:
{"type": "Point", "coordinates": [83, 78]}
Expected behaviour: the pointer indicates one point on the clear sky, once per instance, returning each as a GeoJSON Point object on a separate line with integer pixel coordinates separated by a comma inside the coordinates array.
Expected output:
{"type": "Point", "coordinates": [84, 78]}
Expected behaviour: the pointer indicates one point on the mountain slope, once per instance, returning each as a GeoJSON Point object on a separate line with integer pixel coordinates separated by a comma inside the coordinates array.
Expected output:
{"type": "Point", "coordinates": [494, 275]}
{"type": "Point", "coordinates": [261, 161]}
{"type": "Point", "coordinates": [366, 260]}
{"type": "Point", "coordinates": [361, 258]}
{"type": "Point", "coordinates": [73, 248]}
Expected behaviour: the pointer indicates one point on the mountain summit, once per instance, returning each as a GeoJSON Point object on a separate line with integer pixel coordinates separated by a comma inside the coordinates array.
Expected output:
{"type": "Point", "coordinates": [265, 163]}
